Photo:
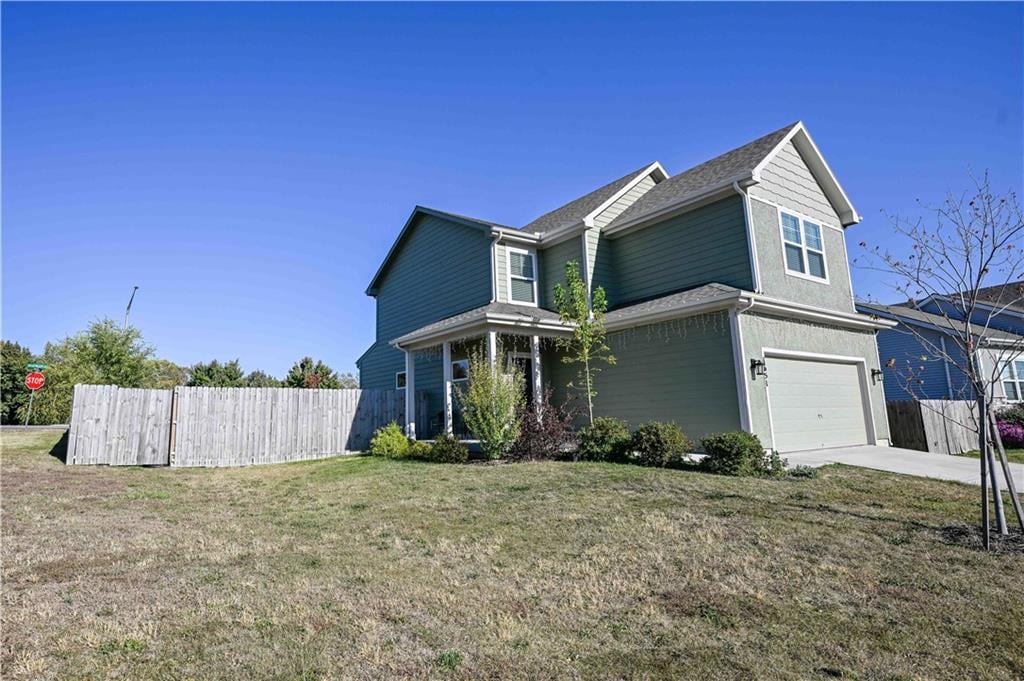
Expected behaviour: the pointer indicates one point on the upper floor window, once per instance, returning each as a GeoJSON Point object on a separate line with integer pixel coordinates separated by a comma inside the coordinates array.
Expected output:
{"type": "Point", "coordinates": [803, 246]}
{"type": "Point", "coordinates": [400, 380]}
{"type": "Point", "coordinates": [1013, 380]}
{"type": "Point", "coordinates": [522, 276]}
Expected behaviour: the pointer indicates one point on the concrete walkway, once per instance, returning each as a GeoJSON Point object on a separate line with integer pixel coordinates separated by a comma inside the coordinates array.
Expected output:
{"type": "Point", "coordinates": [905, 461]}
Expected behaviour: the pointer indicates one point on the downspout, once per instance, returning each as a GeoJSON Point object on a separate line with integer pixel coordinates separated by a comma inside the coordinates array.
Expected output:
{"type": "Point", "coordinates": [739, 359]}
{"type": "Point", "coordinates": [755, 271]}
{"type": "Point", "coordinates": [494, 268]}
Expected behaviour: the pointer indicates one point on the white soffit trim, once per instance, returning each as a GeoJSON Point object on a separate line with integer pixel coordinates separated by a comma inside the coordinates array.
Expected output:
{"type": "Point", "coordinates": [808, 150]}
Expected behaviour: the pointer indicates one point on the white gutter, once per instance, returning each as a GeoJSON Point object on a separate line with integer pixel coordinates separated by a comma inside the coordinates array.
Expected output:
{"type": "Point", "coordinates": [816, 314]}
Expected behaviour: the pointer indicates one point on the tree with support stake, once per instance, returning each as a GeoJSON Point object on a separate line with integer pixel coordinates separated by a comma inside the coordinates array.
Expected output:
{"type": "Point", "coordinates": [974, 244]}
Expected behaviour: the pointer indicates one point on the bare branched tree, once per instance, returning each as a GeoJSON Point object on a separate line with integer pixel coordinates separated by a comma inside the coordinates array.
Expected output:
{"type": "Point", "coordinates": [967, 264]}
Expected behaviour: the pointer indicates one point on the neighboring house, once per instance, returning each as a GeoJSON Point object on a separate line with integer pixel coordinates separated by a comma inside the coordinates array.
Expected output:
{"type": "Point", "coordinates": [923, 360]}
{"type": "Point", "coordinates": [998, 307]}
{"type": "Point", "coordinates": [730, 300]}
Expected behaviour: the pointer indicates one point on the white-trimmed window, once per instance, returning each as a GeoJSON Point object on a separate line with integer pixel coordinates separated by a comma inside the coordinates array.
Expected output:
{"type": "Point", "coordinates": [400, 380]}
{"type": "Point", "coordinates": [1013, 380]}
{"type": "Point", "coordinates": [460, 370]}
{"type": "Point", "coordinates": [803, 247]}
{"type": "Point", "coordinates": [522, 276]}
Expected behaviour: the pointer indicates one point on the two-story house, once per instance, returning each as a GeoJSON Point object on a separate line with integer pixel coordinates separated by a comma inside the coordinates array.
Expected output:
{"type": "Point", "coordinates": [730, 300]}
{"type": "Point", "coordinates": [922, 355]}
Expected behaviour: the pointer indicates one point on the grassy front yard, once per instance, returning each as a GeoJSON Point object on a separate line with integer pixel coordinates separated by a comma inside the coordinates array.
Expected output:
{"type": "Point", "coordinates": [364, 568]}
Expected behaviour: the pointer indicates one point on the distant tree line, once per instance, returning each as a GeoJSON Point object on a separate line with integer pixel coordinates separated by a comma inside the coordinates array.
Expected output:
{"type": "Point", "coordinates": [106, 354]}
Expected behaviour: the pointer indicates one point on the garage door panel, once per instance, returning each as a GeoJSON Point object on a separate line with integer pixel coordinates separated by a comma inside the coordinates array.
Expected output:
{"type": "Point", "coordinates": [815, 404]}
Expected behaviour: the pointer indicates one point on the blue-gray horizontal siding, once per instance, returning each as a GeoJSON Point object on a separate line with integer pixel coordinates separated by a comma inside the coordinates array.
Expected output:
{"type": "Point", "coordinates": [443, 268]}
{"type": "Point", "coordinates": [702, 246]}
{"type": "Point", "coordinates": [552, 267]}
{"type": "Point", "coordinates": [680, 371]}
{"type": "Point", "coordinates": [918, 372]}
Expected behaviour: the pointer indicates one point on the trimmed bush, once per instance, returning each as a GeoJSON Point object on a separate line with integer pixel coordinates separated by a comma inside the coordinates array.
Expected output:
{"type": "Point", "coordinates": [740, 454]}
{"type": "Point", "coordinates": [447, 449]}
{"type": "Point", "coordinates": [606, 439]}
{"type": "Point", "coordinates": [419, 450]}
{"type": "Point", "coordinates": [659, 444]}
{"type": "Point", "coordinates": [544, 437]}
{"type": "Point", "coordinates": [390, 442]}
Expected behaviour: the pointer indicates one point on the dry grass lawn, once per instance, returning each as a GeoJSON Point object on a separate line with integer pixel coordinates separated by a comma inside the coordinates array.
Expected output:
{"type": "Point", "coordinates": [363, 568]}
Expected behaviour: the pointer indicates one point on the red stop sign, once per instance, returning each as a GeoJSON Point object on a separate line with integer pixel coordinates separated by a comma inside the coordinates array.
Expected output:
{"type": "Point", "coordinates": [35, 381]}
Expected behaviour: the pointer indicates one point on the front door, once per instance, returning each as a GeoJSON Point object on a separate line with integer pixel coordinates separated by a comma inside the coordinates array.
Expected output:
{"type": "Point", "coordinates": [525, 364]}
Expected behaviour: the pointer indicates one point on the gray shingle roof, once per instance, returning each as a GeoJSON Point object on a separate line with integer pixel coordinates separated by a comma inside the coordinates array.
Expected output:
{"type": "Point", "coordinates": [479, 313]}
{"type": "Point", "coordinates": [913, 314]}
{"type": "Point", "coordinates": [669, 302]}
{"type": "Point", "coordinates": [708, 175]}
{"type": "Point", "coordinates": [1009, 294]}
{"type": "Point", "coordinates": [574, 211]}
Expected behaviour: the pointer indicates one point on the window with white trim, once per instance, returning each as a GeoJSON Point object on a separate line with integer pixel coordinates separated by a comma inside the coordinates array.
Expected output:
{"type": "Point", "coordinates": [1013, 380]}
{"type": "Point", "coordinates": [522, 276]}
{"type": "Point", "coordinates": [400, 380]}
{"type": "Point", "coordinates": [803, 247]}
{"type": "Point", "coordinates": [460, 370]}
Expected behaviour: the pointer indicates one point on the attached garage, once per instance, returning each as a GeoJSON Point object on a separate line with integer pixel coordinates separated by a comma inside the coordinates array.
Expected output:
{"type": "Point", "coordinates": [817, 401]}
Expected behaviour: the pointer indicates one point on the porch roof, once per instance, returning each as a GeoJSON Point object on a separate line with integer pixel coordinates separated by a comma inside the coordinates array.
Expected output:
{"type": "Point", "coordinates": [498, 316]}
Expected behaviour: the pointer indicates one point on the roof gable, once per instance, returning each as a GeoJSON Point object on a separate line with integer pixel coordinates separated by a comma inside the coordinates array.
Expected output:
{"type": "Point", "coordinates": [419, 211]}
{"type": "Point", "coordinates": [589, 205]}
{"type": "Point", "coordinates": [741, 165]}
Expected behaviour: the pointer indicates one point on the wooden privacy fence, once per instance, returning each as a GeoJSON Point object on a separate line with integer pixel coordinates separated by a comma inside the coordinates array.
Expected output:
{"type": "Point", "coordinates": [226, 426]}
{"type": "Point", "coordinates": [941, 426]}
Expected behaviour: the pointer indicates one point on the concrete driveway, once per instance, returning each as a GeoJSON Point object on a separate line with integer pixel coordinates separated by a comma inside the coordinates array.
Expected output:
{"type": "Point", "coordinates": [905, 461]}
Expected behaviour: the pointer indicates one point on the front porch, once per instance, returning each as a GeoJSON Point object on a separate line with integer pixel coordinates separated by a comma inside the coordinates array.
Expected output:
{"type": "Point", "coordinates": [437, 359]}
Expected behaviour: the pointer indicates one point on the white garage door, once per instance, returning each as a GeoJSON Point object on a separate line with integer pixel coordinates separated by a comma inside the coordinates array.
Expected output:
{"type": "Point", "coordinates": [815, 404]}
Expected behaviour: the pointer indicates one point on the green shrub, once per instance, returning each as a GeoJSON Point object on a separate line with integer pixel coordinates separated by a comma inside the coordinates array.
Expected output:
{"type": "Point", "coordinates": [448, 449]}
{"type": "Point", "coordinates": [741, 454]}
{"type": "Point", "coordinates": [490, 402]}
{"type": "Point", "coordinates": [419, 450]}
{"type": "Point", "coordinates": [606, 439]}
{"type": "Point", "coordinates": [1013, 414]}
{"type": "Point", "coordinates": [803, 471]}
{"type": "Point", "coordinates": [390, 442]}
{"type": "Point", "coordinates": [659, 444]}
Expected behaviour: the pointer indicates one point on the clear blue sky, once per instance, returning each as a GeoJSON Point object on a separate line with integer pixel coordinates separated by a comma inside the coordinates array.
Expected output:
{"type": "Point", "coordinates": [249, 165]}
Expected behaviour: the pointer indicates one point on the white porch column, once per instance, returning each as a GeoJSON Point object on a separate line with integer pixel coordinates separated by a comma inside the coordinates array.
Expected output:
{"type": "Point", "coordinates": [410, 394]}
{"type": "Point", "coordinates": [492, 348]}
{"type": "Point", "coordinates": [538, 383]}
{"type": "Point", "coordinates": [447, 359]}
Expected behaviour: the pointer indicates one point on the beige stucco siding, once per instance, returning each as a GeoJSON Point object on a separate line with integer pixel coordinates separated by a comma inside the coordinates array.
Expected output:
{"type": "Point", "coordinates": [835, 294]}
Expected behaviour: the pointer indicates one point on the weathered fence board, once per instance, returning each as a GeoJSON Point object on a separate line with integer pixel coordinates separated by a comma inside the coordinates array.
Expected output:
{"type": "Point", "coordinates": [119, 426]}
{"type": "Point", "coordinates": [226, 426]}
{"type": "Point", "coordinates": [941, 426]}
